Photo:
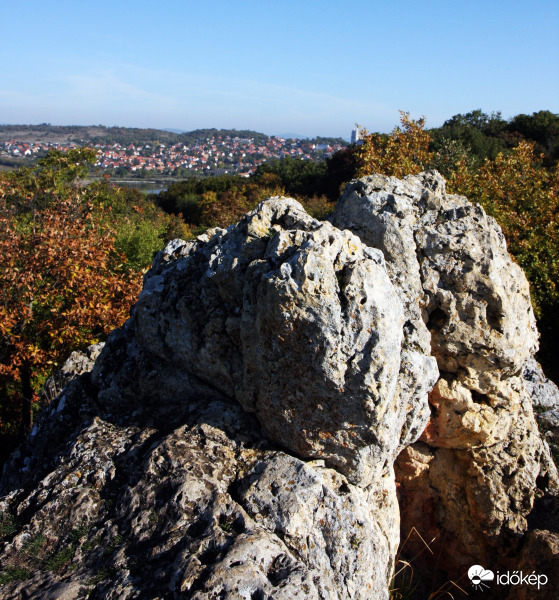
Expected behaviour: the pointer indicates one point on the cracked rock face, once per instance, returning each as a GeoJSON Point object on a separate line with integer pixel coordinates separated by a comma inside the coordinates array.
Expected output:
{"type": "Point", "coordinates": [471, 481]}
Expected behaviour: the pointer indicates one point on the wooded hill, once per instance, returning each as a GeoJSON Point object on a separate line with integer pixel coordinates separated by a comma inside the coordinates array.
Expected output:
{"type": "Point", "coordinates": [99, 134]}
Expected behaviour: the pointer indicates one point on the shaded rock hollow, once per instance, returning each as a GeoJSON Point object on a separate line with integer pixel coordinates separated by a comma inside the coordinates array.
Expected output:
{"type": "Point", "coordinates": [236, 439]}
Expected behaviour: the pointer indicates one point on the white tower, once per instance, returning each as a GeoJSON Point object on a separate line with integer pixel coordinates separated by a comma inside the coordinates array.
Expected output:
{"type": "Point", "coordinates": [355, 136]}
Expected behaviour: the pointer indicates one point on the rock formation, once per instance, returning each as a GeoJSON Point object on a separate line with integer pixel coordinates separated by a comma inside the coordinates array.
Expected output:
{"type": "Point", "coordinates": [545, 400]}
{"type": "Point", "coordinates": [469, 484]}
{"type": "Point", "coordinates": [237, 437]}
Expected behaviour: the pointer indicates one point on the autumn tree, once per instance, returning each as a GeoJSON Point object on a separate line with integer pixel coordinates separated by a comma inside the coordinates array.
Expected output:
{"type": "Point", "coordinates": [55, 177]}
{"type": "Point", "coordinates": [143, 228]}
{"type": "Point", "coordinates": [58, 292]}
{"type": "Point", "coordinates": [227, 207]}
{"type": "Point", "coordinates": [63, 285]}
{"type": "Point", "coordinates": [404, 152]}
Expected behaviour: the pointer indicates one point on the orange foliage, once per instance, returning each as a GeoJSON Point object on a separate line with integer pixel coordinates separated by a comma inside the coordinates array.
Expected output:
{"type": "Point", "coordinates": [404, 152]}
{"type": "Point", "coordinates": [523, 196]}
{"type": "Point", "coordinates": [230, 205]}
{"type": "Point", "coordinates": [318, 207]}
{"type": "Point", "coordinates": [61, 288]}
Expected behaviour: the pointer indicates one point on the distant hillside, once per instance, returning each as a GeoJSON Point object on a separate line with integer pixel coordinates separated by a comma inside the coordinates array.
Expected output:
{"type": "Point", "coordinates": [49, 133]}
{"type": "Point", "coordinates": [99, 134]}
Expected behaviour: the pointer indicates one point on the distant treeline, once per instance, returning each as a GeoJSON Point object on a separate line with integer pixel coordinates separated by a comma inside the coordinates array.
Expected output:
{"type": "Point", "coordinates": [99, 134]}
{"type": "Point", "coordinates": [484, 135]}
{"type": "Point", "coordinates": [45, 128]}
{"type": "Point", "coordinates": [125, 136]}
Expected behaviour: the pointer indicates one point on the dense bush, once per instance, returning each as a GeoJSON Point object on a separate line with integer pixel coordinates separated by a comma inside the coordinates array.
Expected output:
{"type": "Point", "coordinates": [404, 152]}
{"type": "Point", "coordinates": [298, 177]}
{"type": "Point", "coordinates": [221, 201]}
{"type": "Point", "coordinates": [71, 267]}
{"type": "Point", "coordinates": [523, 195]}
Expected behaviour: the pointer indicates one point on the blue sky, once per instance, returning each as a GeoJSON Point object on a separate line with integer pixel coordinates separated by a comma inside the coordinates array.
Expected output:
{"type": "Point", "coordinates": [307, 66]}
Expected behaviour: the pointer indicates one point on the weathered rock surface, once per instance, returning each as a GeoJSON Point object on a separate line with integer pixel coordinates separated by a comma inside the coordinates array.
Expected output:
{"type": "Point", "coordinates": [471, 481]}
{"type": "Point", "coordinates": [78, 364]}
{"type": "Point", "coordinates": [236, 438]}
{"type": "Point", "coordinates": [202, 511]}
{"type": "Point", "coordinates": [545, 400]}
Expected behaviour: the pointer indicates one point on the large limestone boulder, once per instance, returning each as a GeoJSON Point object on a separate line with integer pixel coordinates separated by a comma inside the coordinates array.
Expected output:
{"type": "Point", "coordinates": [236, 438]}
{"type": "Point", "coordinates": [295, 320]}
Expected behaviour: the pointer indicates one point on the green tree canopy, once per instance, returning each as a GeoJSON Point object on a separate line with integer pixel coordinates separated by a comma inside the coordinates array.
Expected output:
{"type": "Point", "coordinates": [296, 175]}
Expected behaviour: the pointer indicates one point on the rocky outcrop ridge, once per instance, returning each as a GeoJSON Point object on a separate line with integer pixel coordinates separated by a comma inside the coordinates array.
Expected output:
{"type": "Point", "coordinates": [471, 481]}
{"type": "Point", "coordinates": [237, 438]}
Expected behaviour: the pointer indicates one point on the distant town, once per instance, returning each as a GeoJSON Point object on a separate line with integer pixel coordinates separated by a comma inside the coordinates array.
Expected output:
{"type": "Point", "coordinates": [216, 154]}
